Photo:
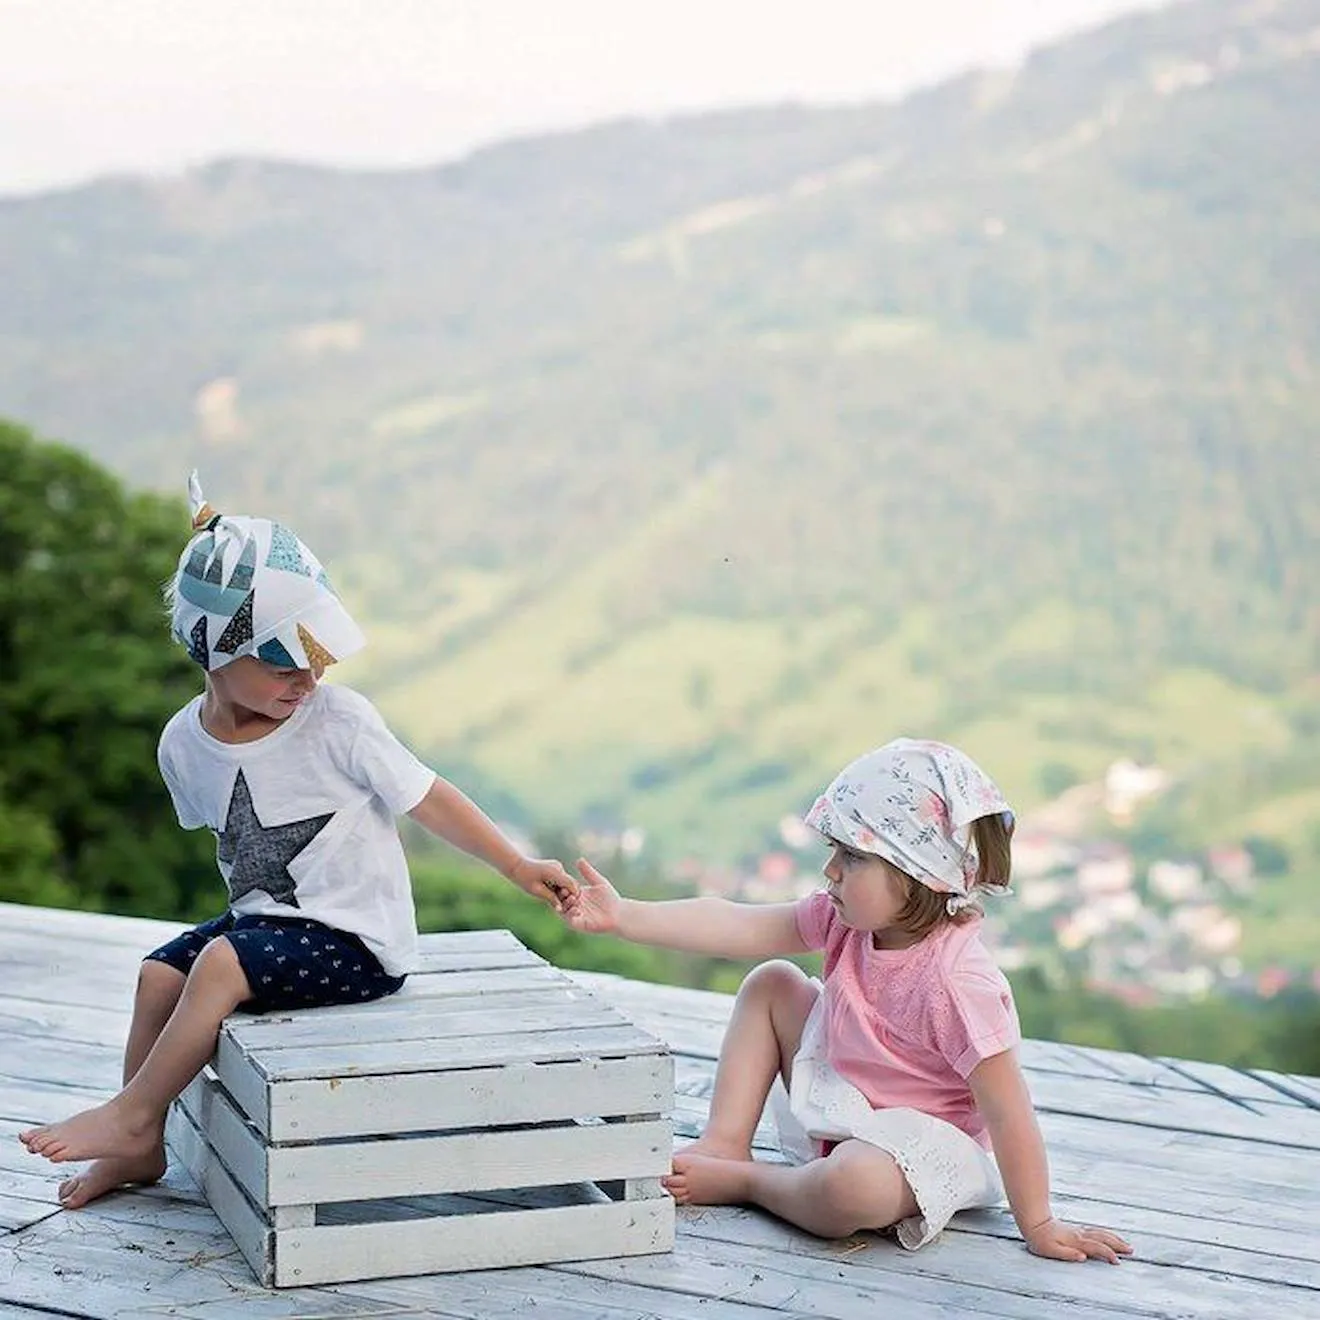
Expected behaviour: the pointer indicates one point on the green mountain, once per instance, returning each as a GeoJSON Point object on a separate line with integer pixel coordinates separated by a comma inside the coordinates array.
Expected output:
{"type": "Point", "coordinates": [672, 464]}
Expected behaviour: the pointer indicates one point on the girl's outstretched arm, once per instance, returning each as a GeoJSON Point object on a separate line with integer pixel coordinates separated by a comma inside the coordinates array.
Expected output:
{"type": "Point", "coordinates": [1002, 1097]}
{"type": "Point", "coordinates": [712, 926]}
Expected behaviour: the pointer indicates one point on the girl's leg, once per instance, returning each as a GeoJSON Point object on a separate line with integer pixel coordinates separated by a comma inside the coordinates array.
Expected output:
{"type": "Point", "coordinates": [764, 1030]}
{"type": "Point", "coordinates": [158, 990]}
{"type": "Point", "coordinates": [855, 1186]}
{"type": "Point", "coordinates": [131, 1125]}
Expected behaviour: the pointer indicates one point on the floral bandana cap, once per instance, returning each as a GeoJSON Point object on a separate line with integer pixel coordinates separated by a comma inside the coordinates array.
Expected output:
{"type": "Point", "coordinates": [249, 586]}
{"type": "Point", "coordinates": [912, 803]}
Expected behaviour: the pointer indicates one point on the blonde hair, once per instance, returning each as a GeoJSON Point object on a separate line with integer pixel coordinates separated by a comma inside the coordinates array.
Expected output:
{"type": "Point", "coordinates": [926, 908]}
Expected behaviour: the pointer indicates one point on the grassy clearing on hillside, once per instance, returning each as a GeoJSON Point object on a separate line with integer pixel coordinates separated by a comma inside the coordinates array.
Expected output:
{"type": "Point", "coordinates": [707, 731]}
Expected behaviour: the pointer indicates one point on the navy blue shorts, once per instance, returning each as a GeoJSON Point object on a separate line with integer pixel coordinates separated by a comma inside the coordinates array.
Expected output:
{"type": "Point", "coordinates": [290, 962]}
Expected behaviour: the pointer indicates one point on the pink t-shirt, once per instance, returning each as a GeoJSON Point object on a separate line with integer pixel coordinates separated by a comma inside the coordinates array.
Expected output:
{"type": "Point", "coordinates": [908, 1026]}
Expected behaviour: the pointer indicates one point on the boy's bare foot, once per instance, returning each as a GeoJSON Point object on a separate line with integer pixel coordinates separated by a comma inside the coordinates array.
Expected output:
{"type": "Point", "coordinates": [106, 1175]}
{"type": "Point", "coordinates": [107, 1131]}
{"type": "Point", "coordinates": [707, 1180]}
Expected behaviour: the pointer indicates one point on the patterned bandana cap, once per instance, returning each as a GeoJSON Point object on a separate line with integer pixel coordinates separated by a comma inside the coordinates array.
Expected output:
{"type": "Point", "coordinates": [912, 803]}
{"type": "Point", "coordinates": [248, 586]}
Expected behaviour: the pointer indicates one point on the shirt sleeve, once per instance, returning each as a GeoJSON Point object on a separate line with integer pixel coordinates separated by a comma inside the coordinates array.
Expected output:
{"type": "Point", "coordinates": [814, 915]}
{"type": "Point", "coordinates": [976, 1019]}
{"type": "Point", "coordinates": [188, 815]}
{"type": "Point", "coordinates": [380, 762]}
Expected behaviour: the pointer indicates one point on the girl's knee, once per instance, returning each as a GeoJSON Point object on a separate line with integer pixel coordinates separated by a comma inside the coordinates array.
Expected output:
{"type": "Point", "coordinates": [864, 1188]}
{"type": "Point", "coordinates": [775, 978]}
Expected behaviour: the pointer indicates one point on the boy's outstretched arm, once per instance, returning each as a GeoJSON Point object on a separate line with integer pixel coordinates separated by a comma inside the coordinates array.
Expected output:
{"type": "Point", "coordinates": [454, 817]}
{"type": "Point", "coordinates": [712, 926]}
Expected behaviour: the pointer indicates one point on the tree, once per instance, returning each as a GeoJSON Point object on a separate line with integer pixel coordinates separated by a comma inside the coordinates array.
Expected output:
{"type": "Point", "coordinates": [88, 676]}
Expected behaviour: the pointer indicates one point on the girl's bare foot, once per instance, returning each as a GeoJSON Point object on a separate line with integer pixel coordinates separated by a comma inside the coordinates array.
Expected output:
{"type": "Point", "coordinates": [718, 1148]}
{"type": "Point", "coordinates": [707, 1180]}
{"type": "Point", "coordinates": [107, 1174]}
{"type": "Point", "coordinates": [108, 1131]}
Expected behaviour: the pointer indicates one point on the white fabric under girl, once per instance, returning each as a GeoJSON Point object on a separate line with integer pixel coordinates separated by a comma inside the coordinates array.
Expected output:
{"type": "Point", "coordinates": [947, 1170]}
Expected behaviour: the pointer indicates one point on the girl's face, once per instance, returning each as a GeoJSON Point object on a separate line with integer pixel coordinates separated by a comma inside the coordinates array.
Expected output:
{"type": "Point", "coordinates": [867, 892]}
{"type": "Point", "coordinates": [252, 685]}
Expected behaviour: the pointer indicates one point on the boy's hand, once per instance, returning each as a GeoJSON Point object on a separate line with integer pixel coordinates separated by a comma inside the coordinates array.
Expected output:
{"type": "Point", "coordinates": [594, 907]}
{"type": "Point", "coordinates": [545, 879]}
{"type": "Point", "coordinates": [1061, 1241]}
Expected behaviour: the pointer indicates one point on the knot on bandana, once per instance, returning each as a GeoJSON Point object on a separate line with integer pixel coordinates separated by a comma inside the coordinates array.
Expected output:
{"type": "Point", "coordinates": [912, 803]}
{"type": "Point", "coordinates": [249, 586]}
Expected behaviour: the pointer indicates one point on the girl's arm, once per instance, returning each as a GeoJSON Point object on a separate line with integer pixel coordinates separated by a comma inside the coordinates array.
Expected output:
{"type": "Point", "coordinates": [1002, 1097]}
{"type": "Point", "coordinates": [712, 926]}
{"type": "Point", "coordinates": [453, 816]}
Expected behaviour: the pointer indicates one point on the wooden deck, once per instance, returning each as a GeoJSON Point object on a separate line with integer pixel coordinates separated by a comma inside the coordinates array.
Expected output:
{"type": "Point", "coordinates": [1213, 1173]}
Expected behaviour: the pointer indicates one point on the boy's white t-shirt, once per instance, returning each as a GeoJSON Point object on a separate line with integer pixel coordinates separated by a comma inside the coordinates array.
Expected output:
{"type": "Point", "coordinates": [305, 817]}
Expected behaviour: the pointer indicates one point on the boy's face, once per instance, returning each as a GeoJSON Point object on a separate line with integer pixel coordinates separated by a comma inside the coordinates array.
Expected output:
{"type": "Point", "coordinates": [262, 688]}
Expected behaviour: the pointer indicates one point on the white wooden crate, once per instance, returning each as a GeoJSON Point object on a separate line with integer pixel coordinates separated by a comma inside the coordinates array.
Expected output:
{"type": "Point", "coordinates": [492, 1113]}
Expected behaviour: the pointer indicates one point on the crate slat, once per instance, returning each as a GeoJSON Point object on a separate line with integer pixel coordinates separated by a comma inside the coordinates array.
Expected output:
{"type": "Point", "coordinates": [516, 1093]}
{"type": "Point", "coordinates": [337, 1253]}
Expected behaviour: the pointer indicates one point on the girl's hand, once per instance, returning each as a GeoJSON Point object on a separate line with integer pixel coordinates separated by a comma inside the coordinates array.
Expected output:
{"type": "Point", "coordinates": [1060, 1241]}
{"type": "Point", "coordinates": [544, 879]}
{"type": "Point", "coordinates": [594, 907]}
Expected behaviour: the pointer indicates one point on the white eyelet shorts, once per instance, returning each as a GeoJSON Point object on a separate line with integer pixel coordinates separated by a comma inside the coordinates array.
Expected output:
{"type": "Point", "coordinates": [947, 1170]}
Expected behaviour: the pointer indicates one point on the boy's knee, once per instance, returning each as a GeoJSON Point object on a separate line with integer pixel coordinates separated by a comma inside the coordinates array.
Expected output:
{"type": "Point", "coordinates": [218, 965]}
{"type": "Point", "coordinates": [158, 980]}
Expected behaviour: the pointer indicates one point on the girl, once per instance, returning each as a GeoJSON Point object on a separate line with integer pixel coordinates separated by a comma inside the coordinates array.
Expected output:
{"type": "Point", "coordinates": [901, 1071]}
{"type": "Point", "coordinates": [301, 785]}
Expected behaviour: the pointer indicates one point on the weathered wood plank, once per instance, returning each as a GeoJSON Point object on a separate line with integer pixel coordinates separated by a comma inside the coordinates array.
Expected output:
{"type": "Point", "coordinates": [460, 1052]}
{"type": "Point", "coordinates": [80, 1024]}
{"type": "Point", "coordinates": [91, 930]}
{"type": "Point", "coordinates": [27, 1101]}
{"type": "Point", "coordinates": [1178, 1240]}
{"type": "Point", "coordinates": [427, 1019]}
{"type": "Point", "coordinates": [519, 1093]}
{"type": "Point", "coordinates": [776, 1281]}
{"type": "Point", "coordinates": [1303, 1089]}
{"type": "Point", "coordinates": [19, 1211]}
{"type": "Point", "coordinates": [474, 986]}
{"type": "Point", "coordinates": [473, 1162]}
{"type": "Point", "coordinates": [443, 963]}
{"type": "Point", "coordinates": [553, 1293]}
{"type": "Point", "coordinates": [64, 1062]}
{"type": "Point", "coordinates": [1115, 1102]}
{"type": "Point", "coordinates": [87, 1264]}
{"type": "Point", "coordinates": [468, 941]}
{"type": "Point", "coordinates": [338, 1252]}
{"type": "Point", "coordinates": [1232, 1082]}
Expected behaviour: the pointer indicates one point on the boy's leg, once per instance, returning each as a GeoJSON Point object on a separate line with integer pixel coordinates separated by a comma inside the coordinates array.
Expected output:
{"type": "Point", "coordinates": [158, 990]}
{"type": "Point", "coordinates": [765, 1028]}
{"type": "Point", "coordinates": [130, 1125]}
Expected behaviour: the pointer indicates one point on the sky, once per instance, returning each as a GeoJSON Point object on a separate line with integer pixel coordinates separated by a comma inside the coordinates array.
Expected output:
{"type": "Point", "coordinates": [90, 87]}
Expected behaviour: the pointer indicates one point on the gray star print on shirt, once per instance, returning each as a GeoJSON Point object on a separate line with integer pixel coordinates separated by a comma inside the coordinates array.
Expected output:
{"type": "Point", "coordinates": [260, 854]}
